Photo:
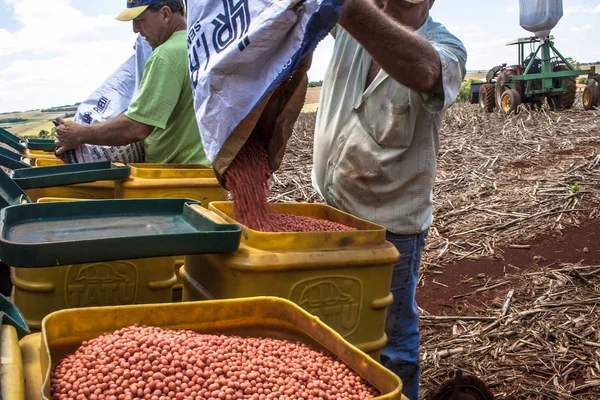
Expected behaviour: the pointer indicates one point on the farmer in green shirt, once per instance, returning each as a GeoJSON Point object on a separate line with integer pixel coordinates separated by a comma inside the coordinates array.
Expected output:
{"type": "Point", "coordinates": [162, 114]}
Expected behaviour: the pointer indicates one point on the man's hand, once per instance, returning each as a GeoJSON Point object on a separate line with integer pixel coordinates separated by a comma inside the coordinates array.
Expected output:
{"type": "Point", "coordinates": [69, 136]}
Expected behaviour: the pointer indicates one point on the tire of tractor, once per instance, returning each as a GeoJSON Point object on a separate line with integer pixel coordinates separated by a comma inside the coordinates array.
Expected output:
{"type": "Point", "coordinates": [564, 100]}
{"type": "Point", "coordinates": [486, 97]}
{"type": "Point", "coordinates": [502, 78]}
{"type": "Point", "coordinates": [590, 97]}
{"type": "Point", "coordinates": [511, 99]}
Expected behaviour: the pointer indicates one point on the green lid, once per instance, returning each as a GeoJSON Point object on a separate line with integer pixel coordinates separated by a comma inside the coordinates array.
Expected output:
{"type": "Point", "coordinates": [65, 233]}
{"type": "Point", "coordinates": [10, 193]}
{"type": "Point", "coordinates": [10, 315]}
{"type": "Point", "coordinates": [11, 140]}
{"type": "Point", "coordinates": [69, 174]}
{"type": "Point", "coordinates": [12, 160]}
{"type": "Point", "coordinates": [41, 144]}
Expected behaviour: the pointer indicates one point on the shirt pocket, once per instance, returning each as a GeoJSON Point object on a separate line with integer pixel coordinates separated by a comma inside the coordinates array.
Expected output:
{"type": "Point", "coordinates": [388, 122]}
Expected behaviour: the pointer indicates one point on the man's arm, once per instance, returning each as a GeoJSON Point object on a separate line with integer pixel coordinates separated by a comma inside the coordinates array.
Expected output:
{"type": "Point", "coordinates": [405, 55]}
{"type": "Point", "coordinates": [118, 131]}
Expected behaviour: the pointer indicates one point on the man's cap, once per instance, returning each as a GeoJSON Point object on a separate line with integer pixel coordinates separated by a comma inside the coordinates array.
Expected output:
{"type": "Point", "coordinates": [135, 8]}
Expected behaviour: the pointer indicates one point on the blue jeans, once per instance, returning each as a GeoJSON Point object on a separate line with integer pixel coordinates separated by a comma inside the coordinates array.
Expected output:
{"type": "Point", "coordinates": [401, 353]}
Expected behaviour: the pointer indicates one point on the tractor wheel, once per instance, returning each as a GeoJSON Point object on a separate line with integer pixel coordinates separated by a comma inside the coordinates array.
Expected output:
{"type": "Point", "coordinates": [503, 77]}
{"type": "Point", "coordinates": [511, 99]}
{"type": "Point", "coordinates": [590, 97]}
{"type": "Point", "coordinates": [564, 100]}
{"type": "Point", "coordinates": [486, 97]}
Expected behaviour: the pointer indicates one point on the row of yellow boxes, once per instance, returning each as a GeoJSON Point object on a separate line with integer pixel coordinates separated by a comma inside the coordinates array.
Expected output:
{"type": "Point", "coordinates": [194, 182]}
{"type": "Point", "coordinates": [343, 277]}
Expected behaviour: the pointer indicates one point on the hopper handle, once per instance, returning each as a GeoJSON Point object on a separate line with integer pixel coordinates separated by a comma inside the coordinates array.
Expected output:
{"type": "Point", "coordinates": [208, 214]}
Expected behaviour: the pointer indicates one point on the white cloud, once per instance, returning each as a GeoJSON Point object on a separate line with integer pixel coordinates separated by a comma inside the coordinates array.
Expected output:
{"type": "Point", "coordinates": [580, 9]}
{"type": "Point", "coordinates": [587, 27]}
{"type": "Point", "coordinates": [480, 43]}
{"type": "Point", "coordinates": [573, 10]}
{"type": "Point", "coordinates": [60, 79]}
{"type": "Point", "coordinates": [58, 55]}
{"type": "Point", "coordinates": [48, 26]}
{"type": "Point", "coordinates": [511, 10]}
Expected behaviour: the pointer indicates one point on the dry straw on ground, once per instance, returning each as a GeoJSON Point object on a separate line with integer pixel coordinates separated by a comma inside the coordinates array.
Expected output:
{"type": "Point", "coordinates": [502, 180]}
{"type": "Point", "coordinates": [291, 183]}
{"type": "Point", "coordinates": [507, 179]}
{"type": "Point", "coordinates": [541, 342]}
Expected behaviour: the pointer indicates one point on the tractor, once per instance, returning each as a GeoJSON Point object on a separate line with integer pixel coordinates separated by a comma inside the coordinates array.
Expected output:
{"type": "Point", "coordinates": [541, 73]}
{"type": "Point", "coordinates": [536, 77]}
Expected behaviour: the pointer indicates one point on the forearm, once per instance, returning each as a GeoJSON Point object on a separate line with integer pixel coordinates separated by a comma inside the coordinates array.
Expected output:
{"type": "Point", "coordinates": [118, 131]}
{"type": "Point", "coordinates": [405, 55]}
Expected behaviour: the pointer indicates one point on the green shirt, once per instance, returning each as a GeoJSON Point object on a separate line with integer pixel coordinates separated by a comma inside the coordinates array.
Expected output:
{"type": "Point", "coordinates": [165, 102]}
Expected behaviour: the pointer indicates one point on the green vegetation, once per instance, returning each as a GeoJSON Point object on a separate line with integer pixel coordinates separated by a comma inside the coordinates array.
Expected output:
{"type": "Point", "coordinates": [465, 89]}
{"type": "Point", "coordinates": [62, 108]}
{"type": "Point", "coordinates": [575, 188]}
{"type": "Point", "coordinates": [315, 84]}
{"type": "Point", "coordinates": [44, 134]}
{"type": "Point", "coordinates": [12, 120]}
{"type": "Point", "coordinates": [583, 81]}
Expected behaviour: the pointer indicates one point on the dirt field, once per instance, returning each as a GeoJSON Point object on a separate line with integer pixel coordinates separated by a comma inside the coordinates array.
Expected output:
{"type": "Point", "coordinates": [511, 272]}
{"type": "Point", "coordinates": [312, 95]}
{"type": "Point", "coordinates": [475, 75]}
{"type": "Point", "coordinates": [34, 122]}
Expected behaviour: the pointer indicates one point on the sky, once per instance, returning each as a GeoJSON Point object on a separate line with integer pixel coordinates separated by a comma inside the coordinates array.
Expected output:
{"type": "Point", "coordinates": [57, 52]}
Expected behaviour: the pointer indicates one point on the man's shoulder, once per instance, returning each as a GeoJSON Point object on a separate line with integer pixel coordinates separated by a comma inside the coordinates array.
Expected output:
{"type": "Point", "coordinates": [434, 30]}
{"type": "Point", "coordinates": [174, 47]}
{"type": "Point", "coordinates": [172, 55]}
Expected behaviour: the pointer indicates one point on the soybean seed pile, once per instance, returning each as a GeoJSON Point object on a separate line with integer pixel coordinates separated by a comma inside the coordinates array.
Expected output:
{"type": "Point", "coordinates": [143, 362]}
{"type": "Point", "coordinates": [297, 223]}
{"type": "Point", "coordinates": [248, 180]}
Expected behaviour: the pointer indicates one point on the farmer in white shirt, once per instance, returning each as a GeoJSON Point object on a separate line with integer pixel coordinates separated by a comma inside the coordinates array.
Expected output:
{"type": "Point", "coordinates": [393, 74]}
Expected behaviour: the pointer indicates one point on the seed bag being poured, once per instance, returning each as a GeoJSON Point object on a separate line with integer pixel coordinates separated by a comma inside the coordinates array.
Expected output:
{"type": "Point", "coordinates": [248, 63]}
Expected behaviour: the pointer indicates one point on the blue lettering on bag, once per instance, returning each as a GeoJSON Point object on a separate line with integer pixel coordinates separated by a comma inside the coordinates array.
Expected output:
{"type": "Point", "coordinates": [102, 105]}
{"type": "Point", "coordinates": [230, 25]}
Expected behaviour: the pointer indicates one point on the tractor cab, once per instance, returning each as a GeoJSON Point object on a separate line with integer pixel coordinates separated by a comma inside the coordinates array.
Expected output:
{"type": "Point", "coordinates": [526, 53]}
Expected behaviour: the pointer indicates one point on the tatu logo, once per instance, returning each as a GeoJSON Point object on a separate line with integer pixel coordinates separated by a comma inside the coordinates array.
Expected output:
{"type": "Point", "coordinates": [336, 300]}
{"type": "Point", "coordinates": [102, 284]}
